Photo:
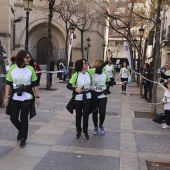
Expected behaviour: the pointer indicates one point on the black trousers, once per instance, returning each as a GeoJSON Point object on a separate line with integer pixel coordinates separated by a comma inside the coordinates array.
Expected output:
{"type": "Point", "coordinates": [21, 109]}
{"type": "Point", "coordinates": [111, 79]}
{"type": "Point", "coordinates": [124, 86]}
{"type": "Point", "coordinates": [167, 117]}
{"type": "Point", "coordinates": [148, 89]}
{"type": "Point", "coordinates": [82, 110]}
{"type": "Point", "coordinates": [102, 112]}
{"type": "Point", "coordinates": [51, 78]}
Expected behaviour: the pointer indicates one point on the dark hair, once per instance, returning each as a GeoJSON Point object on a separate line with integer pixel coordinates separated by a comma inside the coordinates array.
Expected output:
{"type": "Point", "coordinates": [166, 83]}
{"type": "Point", "coordinates": [147, 65]}
{"type": "Point", "coordinates": [31, 63]}
{"type": "Point", "coordinates": [79, 65]}
{"type": "Point", "coordinates": [20, 57]}
{"type": "Point", "coordinates": [13, 58]}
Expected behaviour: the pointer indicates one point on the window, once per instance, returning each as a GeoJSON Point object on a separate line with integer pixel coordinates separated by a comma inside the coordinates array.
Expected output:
{"type": "Point", "coordinates": [134, 32]}
{"type": "Point", "coordinates": [118, 43]}
{"type": "Point", "coordinates": [120, 10]}
{"type": "Point", "coordinates": [117, 34]}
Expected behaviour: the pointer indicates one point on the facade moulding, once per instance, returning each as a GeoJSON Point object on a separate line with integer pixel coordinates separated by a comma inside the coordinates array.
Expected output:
{"type": "Point", "coordinates": [42, 21]}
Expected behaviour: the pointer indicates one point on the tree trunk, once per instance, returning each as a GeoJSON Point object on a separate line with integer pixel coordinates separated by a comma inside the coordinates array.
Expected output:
{"type": "Point", "coordinates": [49, 54]}
{"type": "Point", "coordinates": [156, 57]}
{"type": "Point", "coordinates": [66, 44]}
{"type": "Point", "coordinates": [82, 44]}
{"type": "Point", "coordinates": [2, 76]}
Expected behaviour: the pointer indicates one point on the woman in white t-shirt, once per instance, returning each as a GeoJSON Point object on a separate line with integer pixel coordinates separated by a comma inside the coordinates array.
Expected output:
{"type": "Point", "coordinates": [100, 83]}
{"type": "Point", "coordinates": [109, 68]}
{"type": "Point", "coordinates": [22, 79]}
{"type": "Point", "coordinates": [124, 74]}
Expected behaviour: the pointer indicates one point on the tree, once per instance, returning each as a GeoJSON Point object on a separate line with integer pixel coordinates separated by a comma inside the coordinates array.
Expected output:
{"type": "Point", "coordinates": [80, 13]}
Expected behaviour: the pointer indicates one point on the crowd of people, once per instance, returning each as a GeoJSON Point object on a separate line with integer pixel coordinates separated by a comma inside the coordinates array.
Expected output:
{"type": "Point", "coordinates": [90, 86]}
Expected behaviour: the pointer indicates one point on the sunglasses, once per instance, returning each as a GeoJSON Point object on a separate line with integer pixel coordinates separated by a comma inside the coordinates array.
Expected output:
{"type": "Point", "coordinates": [28, 58]}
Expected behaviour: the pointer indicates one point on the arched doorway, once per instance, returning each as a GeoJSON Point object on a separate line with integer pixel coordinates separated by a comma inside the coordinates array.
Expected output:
{"type": "Point", "coordinates": [42, 50]}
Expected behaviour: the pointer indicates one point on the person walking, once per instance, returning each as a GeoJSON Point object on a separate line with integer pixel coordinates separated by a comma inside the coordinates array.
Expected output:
{"type": "Point", "coordinates": [166, 102]}
{"type": "Point", "coordinates": [80, 84]}
{"type": "Point", "coordinates": [110, 71]}
{"type": "Point", "coordinates": [21, 78]}
{"type": "Point", "coordinates": [124, 74]}
{"type": "Point", "coordinates": [99, 96]}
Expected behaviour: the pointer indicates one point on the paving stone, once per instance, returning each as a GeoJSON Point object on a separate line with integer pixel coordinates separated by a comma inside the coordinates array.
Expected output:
{"type": "Point", "coordinates": [5, 150]}
{"type": "Point", "coordinates": [147, 125]}
{"type": "Point", "coordinates": [111, 140]}
{"type": "Point", "coordinates": [152, 143]}
{"type": "Point", "coordinates": [70, 161]}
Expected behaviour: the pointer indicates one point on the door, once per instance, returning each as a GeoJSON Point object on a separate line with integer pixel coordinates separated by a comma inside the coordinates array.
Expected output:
{"type": "Point", "coordinates": [42, 50]}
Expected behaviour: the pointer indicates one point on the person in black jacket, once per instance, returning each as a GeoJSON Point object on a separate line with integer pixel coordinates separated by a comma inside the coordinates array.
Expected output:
{"type": "Point", "coordinates": [147, 84]}
{"type": "Point", "coordinates": [80, 84]}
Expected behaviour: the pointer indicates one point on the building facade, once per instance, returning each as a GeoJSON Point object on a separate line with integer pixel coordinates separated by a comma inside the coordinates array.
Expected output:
{"type": "Point", "coordinates": [12, 35]}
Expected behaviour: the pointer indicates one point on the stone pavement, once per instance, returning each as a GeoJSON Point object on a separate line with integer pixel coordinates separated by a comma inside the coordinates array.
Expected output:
{"type": "Point", "coordinates": [52, 145]}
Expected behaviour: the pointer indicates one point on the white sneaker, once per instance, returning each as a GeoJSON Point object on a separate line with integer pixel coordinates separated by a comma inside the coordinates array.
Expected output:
{"type": "Point", "coordinates": [165, 127]}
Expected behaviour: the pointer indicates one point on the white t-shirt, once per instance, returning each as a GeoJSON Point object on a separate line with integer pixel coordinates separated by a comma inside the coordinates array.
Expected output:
{"type": "Point", "coordinates": [99, 83]}
{"type": "Point", "coordinates": [83, 82]}
{"type": "Point", "coordinates": [110, 70]}
{"type": "Point", "coordinates": [21, 76]}
{"type": "Point", "coordinates": [166, 98]}
{"type": "Point", "coordinates": [125, 72]}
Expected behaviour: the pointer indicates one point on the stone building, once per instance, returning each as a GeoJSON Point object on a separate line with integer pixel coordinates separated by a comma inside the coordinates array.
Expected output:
{"type": "Point", "coordinates": [12, 35]}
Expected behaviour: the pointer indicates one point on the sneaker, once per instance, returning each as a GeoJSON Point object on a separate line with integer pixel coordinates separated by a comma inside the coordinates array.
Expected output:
{"type": "Point", "coordinates": [165, 127]}
{"type": "Point", "coordinates": [143, 97]}
{"type": "Point", "coordinates": [23, 143]}
{"type": "Point", "coordinates": [124, 93]}
{"type": "Point", "coordinates": [102, 131]}
{"type": "Point", "coordinates": [149, 100]}
{"type": "Point", "coordinates": [86, 136]}
{"type": "Point", "coordinates": [78, 135]}
{"type": "Point", "coordinates": [19, 136]}
{"type": "Point", "coordinates": [95, 131]}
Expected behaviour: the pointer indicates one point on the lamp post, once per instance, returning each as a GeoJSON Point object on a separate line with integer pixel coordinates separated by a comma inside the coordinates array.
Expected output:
{"type": "Point", "coordinates": [141, 32]}
{"type": "Point", "coordinates": [28, 4]}
{"type": "Point", "coordinates": [88, 46]}
{"type": "Point", "coordinates": [135, 42]}
{"type": "Point", "coordinates": [71, 30]}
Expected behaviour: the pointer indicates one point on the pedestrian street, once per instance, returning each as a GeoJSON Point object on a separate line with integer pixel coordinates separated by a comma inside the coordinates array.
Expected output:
{"type": "Point", "coordinates": [51, 145]}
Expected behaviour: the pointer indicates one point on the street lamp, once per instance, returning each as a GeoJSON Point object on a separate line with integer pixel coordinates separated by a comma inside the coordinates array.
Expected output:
{"type": "Point", "coordinates": [28, 4]}
{"type": "Point", "coordinates": [88, 46]}
{"type": "Point", "coordinates": [141, 32]}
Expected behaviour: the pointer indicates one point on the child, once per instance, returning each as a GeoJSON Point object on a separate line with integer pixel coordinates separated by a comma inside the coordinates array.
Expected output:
{"type": "Point", "coordinates": [166, 102]}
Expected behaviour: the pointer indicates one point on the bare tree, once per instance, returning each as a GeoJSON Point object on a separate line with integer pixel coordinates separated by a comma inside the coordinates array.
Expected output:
{"type": "Point", "coordinates": [80, 13]}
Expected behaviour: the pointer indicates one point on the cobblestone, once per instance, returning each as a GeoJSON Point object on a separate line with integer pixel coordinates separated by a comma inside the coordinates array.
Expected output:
{"type": "Point", "coordinates": [70, 161]}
